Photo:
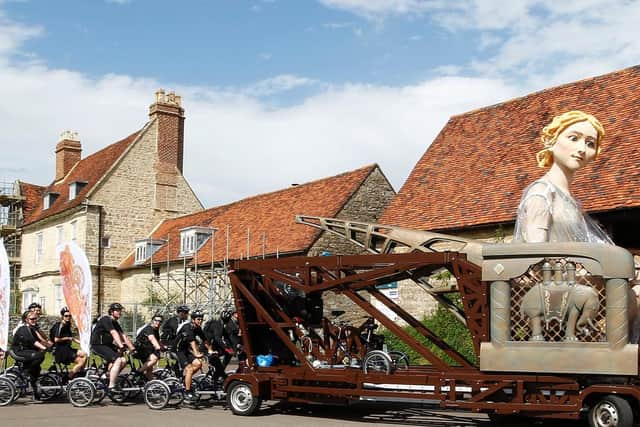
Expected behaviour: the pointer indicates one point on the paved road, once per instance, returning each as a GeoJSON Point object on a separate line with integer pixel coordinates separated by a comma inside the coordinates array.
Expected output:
{"type": "Point", "coordinates": [26, 413]}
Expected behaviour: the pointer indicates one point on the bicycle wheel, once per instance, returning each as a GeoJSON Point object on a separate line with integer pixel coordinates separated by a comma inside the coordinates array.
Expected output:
{"type": "Point", "coordinates": [81, 392]}
{"type": "Point", "coordinates": [377, 361]}
{"type": "Point", "coordinates": [117, 394]}
{"type": "Point", "coordinates": [7, 391]}
{"type": "Point", "coordinates": [399, 360]}
{"type": "Point", "coordinates": [20, 384]}
{"type": "Point", "coordinates": [203, 383]}
{"type": "Point", "coordinates": [177, 390]}
{"type": "Point", "coordinates": [49, 386]}
{"type": "Point", "coordinates": [156, 394]}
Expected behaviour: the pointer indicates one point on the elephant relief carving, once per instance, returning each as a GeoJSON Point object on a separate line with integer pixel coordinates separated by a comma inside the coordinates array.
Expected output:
{"type": "Point", "coordinates": [573, 305]}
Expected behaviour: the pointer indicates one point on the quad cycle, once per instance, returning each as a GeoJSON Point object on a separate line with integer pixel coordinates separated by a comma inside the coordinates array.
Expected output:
{"type": "Point", "coordinates": [169, 391]}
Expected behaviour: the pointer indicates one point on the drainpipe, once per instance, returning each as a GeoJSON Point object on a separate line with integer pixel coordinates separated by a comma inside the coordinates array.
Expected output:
{"type": "Point", "coordinates": [99, 272]}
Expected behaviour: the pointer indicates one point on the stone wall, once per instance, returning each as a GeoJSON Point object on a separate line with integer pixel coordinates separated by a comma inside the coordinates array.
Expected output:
{"type": "Point", "coordinates": [366, 205]}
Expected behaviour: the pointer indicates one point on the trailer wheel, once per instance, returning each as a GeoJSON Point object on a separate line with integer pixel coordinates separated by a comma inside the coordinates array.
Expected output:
{"type": "Point", "coordinates": [611, 411]}
{"type": "Point", "coordinates": [377, 361]}
{"type": "Point", "coordinates": [241, 400]}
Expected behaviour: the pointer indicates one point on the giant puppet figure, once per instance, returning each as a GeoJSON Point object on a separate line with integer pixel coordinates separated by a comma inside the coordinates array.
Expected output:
{"type": "Point", "coordinates": [77, 288]}
{"type": "Point", "coordinates": [548, 213]}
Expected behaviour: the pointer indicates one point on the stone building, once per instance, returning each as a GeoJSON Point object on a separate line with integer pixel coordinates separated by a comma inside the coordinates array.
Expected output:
{"type": "Point", "coordinates": [470, 179]}
{"type": "Point", "coordinates": [180, 255]}
{"type": "Point", "coordinates": [104, 202]}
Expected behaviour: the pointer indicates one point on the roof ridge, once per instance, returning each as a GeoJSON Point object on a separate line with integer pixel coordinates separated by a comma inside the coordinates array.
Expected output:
{"type": "Point", "coordinates": [541, 91]}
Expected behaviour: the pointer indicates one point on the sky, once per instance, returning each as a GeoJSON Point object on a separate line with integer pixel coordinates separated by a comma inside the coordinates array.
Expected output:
{"type": "Point", "coordinates": [278, 92]}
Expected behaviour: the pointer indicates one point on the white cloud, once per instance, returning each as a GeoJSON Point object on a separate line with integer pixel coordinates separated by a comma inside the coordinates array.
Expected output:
{"type": "Point", "coordinates": [379, 8]}
{"type": "Point", "coordinates": [277, 84]}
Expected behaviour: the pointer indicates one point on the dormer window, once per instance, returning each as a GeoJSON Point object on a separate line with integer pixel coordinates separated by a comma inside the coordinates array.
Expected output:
{"type": "Point", "coordinates": [75, 188]}
{"type": "Point", "coordinates": [49, 199]}
{"type": "Point", "coordinates": [192, 239]}
{"type": "Point", "coordinates": [145, 249]}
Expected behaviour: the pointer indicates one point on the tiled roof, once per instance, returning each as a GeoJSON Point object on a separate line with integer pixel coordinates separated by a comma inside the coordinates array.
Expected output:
{"type": "Point", "coordinates": [33, 196]}
{"type": "Point", "coordinates": [475, 170]}
{"type": "Point", "coordinates": [90, 170]}
{"type": "Point", "coordinates": [272, 214]}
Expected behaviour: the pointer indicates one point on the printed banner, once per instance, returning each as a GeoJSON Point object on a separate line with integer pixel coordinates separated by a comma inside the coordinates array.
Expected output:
{"type": "Point", "coordinates": [5, 296]}
{"type": "Point", "coordinates": [77, 288]}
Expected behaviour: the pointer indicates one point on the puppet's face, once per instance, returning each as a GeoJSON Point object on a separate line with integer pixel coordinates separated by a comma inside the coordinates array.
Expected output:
{"type": "Point", "coordinates": [576, 146]}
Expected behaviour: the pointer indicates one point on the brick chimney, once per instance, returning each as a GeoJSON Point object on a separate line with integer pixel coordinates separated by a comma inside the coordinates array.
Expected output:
{"type": "Point", "coordinates": [170, 116]}
{"type": "Point", "coordinates": [68, 151]}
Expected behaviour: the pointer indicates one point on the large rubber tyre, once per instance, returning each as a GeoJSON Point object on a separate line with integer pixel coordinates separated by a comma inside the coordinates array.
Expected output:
{"type": "Point", "coordinates": [399, 360]}
{"type": "Point", "coordinates": [48, 386]}
{"type": "Point", "coordinates": [121, 396]}
{"type": "Point", "coordinates": [81, 392]}
{"type": "Point", "coordinates": [7, 391]}
{"type": "Point", "coordinates": [376, 361]}
{"type": "Point", "coordinates": [241, 399]}
{"type": "Point", "coordinates": [176, 389]}
{"type": "Point", "coordinates": [156, 394]}
{"type": "Point", "coordinates": [611, 411]}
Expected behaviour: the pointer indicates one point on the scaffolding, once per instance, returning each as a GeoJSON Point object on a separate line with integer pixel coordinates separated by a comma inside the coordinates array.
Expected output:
{"type": "Point", "coordinates": [11, 220]}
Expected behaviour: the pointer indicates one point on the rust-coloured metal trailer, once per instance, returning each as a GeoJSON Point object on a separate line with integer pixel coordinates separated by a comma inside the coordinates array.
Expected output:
{"type": "Point", "coordinates": [273, 322]}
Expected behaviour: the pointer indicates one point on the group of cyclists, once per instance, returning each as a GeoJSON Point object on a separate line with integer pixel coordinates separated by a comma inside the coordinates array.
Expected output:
{"type": "Point", "coordinates": [183, 334]}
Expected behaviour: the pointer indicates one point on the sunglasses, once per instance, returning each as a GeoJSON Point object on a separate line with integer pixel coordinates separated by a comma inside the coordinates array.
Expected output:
{"type": "Point", "coordinates": [32, 318]}
{"type": "Point", "coordinates": [198, 318]}
{"type": "Point", "coordinates": [66, 315]}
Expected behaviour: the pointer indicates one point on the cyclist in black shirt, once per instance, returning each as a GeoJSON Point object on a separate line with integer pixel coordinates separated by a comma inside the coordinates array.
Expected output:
{"type": "Point", "coordinates": [63, 338]}
{"type": "Point", "coordinates": [188, 353]}
{"type": "Point", "coordinates": [170, 327]}
{"type": "Point", "coordinates": [148, 346]}
{"type": "Point", "coordinates": [26, 345]}
{"type": "Point", "coordinates": [108, 341]}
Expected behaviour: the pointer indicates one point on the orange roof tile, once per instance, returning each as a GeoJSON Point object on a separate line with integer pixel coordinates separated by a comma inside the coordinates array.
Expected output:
{"type": "Point", "coordinates": [475, 170]}
{"type": "Point", "coordinates": [33, 196]}
{"type": "Point", "coordinates": [272, 214]}
{"type": "Point", "coordinates": [90, 170]}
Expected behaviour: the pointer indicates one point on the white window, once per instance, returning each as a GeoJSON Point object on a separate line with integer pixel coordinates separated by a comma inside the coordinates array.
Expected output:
{"type": "Point", "coordinates": [74, 188]}
{"type": "Point", "coordinates": [39, 247]}
{"type": "Point", "coordinates": [28, 296]}
{"type": "Point", "coordinates": [74, 230]}
{"type": "Point", "coordinates": [145, 249]}
{"type": "Point", "coordinates": [59, 297]}
{"type": "Point", "coordinates": [192, 238]}
{"type": "Point", "coordinates": [60, 233]}
{"type": "Point", "coordinates": [46, 202]}
{"type": "Point", "coordinates": [49, 199]}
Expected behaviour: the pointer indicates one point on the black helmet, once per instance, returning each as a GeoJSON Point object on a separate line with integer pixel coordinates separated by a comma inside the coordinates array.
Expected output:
{"type": "Point", "coordinates": [182, 309]}
{"type": "Point", "coordinates": [196, 314]}
{"type": "Point", "coordinates": [34, 305]}
{"type": "Point", "coordinates": [116, 306]}
{"type": "Point", "coordinates": [64, 310]}
{"type": "Point", "coordinates": [225, 316]}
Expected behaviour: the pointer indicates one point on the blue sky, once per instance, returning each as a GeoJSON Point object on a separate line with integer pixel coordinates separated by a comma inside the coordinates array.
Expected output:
{"type": "Point", "coordinates": [317, 87]}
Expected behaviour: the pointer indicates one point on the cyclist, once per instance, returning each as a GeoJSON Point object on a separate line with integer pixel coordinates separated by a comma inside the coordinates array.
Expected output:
{"type": "Point", "coordinates": [170, 327]}
{"type": "Point", "coordinates": [108, 341]}
{"type": "Point", "coordinates": [26, 345]}
{"type": "Point", "coordinates": [148, 346]}
{"type": "Point", "coordinates": [215, 332]}
{"type": "Point", "coordinates": [62, 338]}
{"type": "Point", "coordinates": [188, 353]}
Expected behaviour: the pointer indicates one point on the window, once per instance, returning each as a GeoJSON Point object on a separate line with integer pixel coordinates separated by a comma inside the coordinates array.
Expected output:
{"type": "Point", "coordinates": [59, 297]}
{"type": "Point", "coordinates": [74, 230]}
{"type": "Point", "coordinates": [192, 239]}
{"type": "Point", "coordinates": [28, 296]}
{"type": "Point", "coordinates": [106, 242]}
{"type": "Point", "coordinates": [60, 233]}
{"type": "Point", "coordinates": [39, 247]}
{"type": "Point", "coordinates": [49, 199]}
{"type": "Point", "coordinates": [145, 249]}
{"type": "Point", "coordinates": [75, 188]}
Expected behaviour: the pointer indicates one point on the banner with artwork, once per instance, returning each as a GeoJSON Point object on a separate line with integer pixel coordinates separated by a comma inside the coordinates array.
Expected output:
{"type": "Point", "coordinates": [75, 274]}
{"type": "Point", "coordinates": [5, 291]}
